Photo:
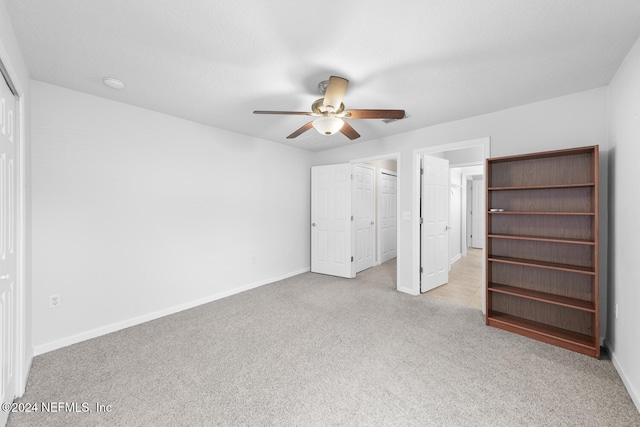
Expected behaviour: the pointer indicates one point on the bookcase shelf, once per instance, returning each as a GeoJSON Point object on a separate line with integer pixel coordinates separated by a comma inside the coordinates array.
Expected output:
{"type": "Point", "coordinates": [544, 264]}
{"type": "Point", "coordinates": [542, 239]}
{"type": "Point", "coordinates": [569, 302]}
{"type": "Point", "coordinates": [537, 187]}
{"type": "Point", "coordinates": [542, 247]}
{"type": "Point", "coordinates": [542, 213]}
{"type": "Point", "coordinates": [580, 343]}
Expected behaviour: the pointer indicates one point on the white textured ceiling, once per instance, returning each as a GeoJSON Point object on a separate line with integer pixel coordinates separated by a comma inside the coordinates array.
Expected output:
{"type": "Point", "coordinates": [214, 62]}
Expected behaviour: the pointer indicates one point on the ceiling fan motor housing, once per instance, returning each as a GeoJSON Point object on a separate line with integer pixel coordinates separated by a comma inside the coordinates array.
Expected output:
{"type": "Point", "coordinates": [319, 108]}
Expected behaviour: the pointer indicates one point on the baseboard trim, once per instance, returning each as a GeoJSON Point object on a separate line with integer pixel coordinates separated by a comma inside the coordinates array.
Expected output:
{"type": "Point", "coordinates": [454, 259]}
{"type": "Point", "coordinates": [21, 388]}
{"type": "Point", "coordinates": [408, 291]}
{"type": "Point", "coordinates": [633, 393]}
{"type": "Point", "coordinates": [97, 332]}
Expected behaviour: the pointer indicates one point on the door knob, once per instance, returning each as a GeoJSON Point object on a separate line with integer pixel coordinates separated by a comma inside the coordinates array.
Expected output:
{"type": "Point", "coordinates": [447, 228]}
{"type": "Point", "coordinates": [313, 224]}
{"type": "Point", "coordinates": [372, 222]}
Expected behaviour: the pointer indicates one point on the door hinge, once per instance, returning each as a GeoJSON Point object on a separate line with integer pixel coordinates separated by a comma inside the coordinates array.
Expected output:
{"type": "Point", "coordinates": [421, 171]}
{"type": "Point", "coordinates": [351, 217]}
{"type": "Point", "coordinates": [351, 259]}
{"type": "Point", "coordinates": [421, 270]}
{"type": "Point", "coordinates": [421, 221]}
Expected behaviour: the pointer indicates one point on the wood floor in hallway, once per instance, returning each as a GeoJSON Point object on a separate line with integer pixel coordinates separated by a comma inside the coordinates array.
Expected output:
{"type": "Point", "coordinates": [465, 281]}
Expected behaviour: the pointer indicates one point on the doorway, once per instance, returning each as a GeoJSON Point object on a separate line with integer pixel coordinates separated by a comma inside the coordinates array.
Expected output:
{"type": "Point", "coordinates": [465, 263]}
{"type": "Point", "coordinates": [342, 237]}
{"type": "Point", "coordinates": [386, 193]}
{"type": "Point", "coordinates": [375, 208]}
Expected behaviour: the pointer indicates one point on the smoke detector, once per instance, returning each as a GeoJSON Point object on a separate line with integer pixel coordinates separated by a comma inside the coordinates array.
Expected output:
{"type": "Point", "coordinates": [113, 83]}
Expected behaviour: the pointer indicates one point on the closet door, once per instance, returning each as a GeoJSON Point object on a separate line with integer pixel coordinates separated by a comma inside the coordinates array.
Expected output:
{"type": "Point", "coordinates": [8, 267]}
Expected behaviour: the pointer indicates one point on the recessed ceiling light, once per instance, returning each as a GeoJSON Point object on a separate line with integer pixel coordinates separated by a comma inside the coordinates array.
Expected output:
{"type": "Point", "coordinates": [113, 83]}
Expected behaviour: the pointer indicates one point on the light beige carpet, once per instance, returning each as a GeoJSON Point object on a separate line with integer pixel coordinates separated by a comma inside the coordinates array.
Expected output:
{"type": "Point", "coordinates": [319, 350]}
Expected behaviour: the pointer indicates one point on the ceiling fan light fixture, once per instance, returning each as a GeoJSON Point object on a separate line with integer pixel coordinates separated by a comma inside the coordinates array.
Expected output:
{"type": "Point", "coordinates": [328, 125]}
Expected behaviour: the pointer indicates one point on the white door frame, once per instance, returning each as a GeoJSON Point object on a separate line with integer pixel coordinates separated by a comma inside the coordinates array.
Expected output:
{"type": "Point", "coordinates": [485, 143]}
{"type": "Point", "coordinates": [394, 156]}
{"type": "Point", "coordinates": [20, 352]}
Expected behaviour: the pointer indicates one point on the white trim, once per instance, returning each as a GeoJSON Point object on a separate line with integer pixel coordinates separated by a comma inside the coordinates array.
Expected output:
{"type": "Point", "coordinates": [409, 291]}
{"type": "Point", "coordinates": [633, 393]}
{"type": "Point", "coordinates": [23, 357]}
{"type": "Point", "coordinates": [94, 333]}
{"type": "Point", "coordinates": [484, 142]}
{"type": "Point", "coordinates": [454, 259]}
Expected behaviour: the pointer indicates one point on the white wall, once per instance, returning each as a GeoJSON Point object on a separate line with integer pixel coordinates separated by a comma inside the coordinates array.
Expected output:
{"type": "Point", "coordinates": [623, 338]}
{"type": "Point", "coordinates": [569, 121]}
{"type": "Point", "coordinates": [11, 57]}
{"type": "Point", "coordinates": [137, 214]}
{"type": "Point", "coordinates": [470, 155]}
{"type": "Point", "coordinates": [387, 164]}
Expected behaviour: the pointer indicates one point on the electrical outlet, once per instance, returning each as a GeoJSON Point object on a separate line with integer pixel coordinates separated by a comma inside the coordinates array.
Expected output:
{"type": "Point", "coordinates": [55, 301]}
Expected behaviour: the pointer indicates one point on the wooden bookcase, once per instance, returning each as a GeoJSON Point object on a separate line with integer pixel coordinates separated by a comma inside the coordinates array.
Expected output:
{"type": "Point", "coordinates": [542, 247]}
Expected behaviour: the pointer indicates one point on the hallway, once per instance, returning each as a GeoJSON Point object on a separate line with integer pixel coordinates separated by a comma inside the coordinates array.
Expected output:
{"type": "Point", "coordinates": [465, 281]}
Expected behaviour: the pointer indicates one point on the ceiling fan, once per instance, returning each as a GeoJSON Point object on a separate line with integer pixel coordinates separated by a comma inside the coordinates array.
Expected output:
{"type": "Point", "coordinates": [330, 111]}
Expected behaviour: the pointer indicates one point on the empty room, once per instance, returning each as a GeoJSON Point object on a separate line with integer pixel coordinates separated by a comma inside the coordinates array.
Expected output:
{"type": "Point", "coordinates": [343, 213]}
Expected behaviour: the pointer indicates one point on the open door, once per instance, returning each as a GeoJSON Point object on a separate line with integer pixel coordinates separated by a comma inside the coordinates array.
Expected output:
{"type": "Point", "coordinates": [364, 213]}
{"type": "Point", "coordinates": [331, 220]}
{"type": "Point", "coordinates": [434, 229]}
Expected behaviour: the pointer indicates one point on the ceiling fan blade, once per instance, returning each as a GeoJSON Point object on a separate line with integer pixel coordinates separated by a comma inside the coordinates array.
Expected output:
{"type": "Point", "coordinates": [291, 113]}
{"type": "Point", "coordinates": [349, 132]}
{"type": "Point", "coordinates": [300, 131]}
{"type": "Point", "coordinates": [374, 114]}
{"type": "Point", "coordinates": [336, 88]}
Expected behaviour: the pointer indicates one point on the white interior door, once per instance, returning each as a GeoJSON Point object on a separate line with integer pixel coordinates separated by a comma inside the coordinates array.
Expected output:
{"type": "Point", "coordinates": [435, 228]}
{"type": "Point", "coordinates": [478, 214]}
{"type": "Point", "coordinates": [8, 267]}
{"type": "Point", "coordinates": [387, 209]}
{"type": "Point", "coordinates": [364, 212]}
{"type": "Point", "coordinates": [331, 220]}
